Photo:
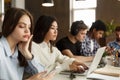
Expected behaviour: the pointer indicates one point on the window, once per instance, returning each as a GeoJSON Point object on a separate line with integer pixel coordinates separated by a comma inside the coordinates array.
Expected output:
{"type": "Point", "coordinates": [1, 6]}
{"type": "Point", "coordinates": [6, 4]}
{"type": "Point", "coordinates": [83, 10]}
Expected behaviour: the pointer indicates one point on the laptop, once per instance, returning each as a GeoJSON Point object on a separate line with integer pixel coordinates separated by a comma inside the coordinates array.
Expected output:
{"type": "Point", "coordinates": [92, 65]}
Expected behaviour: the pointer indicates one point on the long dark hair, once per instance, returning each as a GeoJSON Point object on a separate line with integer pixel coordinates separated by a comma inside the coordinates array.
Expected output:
{"type": "Point", "coordinates": [12, 16]}
{"type": "Point", "coordinates": [42, 26]}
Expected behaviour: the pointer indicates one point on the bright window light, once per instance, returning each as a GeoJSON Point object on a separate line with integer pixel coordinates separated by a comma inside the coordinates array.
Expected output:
{"type": "Point", "coordinates": [87, 15]}
{"type": "Point", "coordinates": [83, 10]}
{"type": "Point", "coordinates": [84, 3]}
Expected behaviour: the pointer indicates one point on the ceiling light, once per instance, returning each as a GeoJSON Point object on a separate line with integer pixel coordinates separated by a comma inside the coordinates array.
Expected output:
{"type": "Point", "coordinates": [48, 3]}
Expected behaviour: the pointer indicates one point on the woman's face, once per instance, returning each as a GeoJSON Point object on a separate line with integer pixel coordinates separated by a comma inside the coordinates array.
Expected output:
{"type": "Point", "coordinates": [22, 30]}
{"type": "Point", "coordinates": [52, 33]}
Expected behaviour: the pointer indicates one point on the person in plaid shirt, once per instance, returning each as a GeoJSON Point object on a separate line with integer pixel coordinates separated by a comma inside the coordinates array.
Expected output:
{"type": "Point", "coordinates": [90, 45]}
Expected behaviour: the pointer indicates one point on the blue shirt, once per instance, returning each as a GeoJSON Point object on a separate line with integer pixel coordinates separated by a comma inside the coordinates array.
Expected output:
{"type": "Point", "coordinates": [89, 47]}
{"type": "Point", "coordinates": [9, 64]}
{"type": "Point", "coordinates": [114, 44]}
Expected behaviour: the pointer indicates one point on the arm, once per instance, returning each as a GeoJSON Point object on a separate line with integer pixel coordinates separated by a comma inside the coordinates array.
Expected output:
{"type": "Point", "coordinates": [79, 58]}
{"type": "Point", "coordinates": [42, 76]}
{"type": "Point", "coordinates": [23, 48]}
{"type": "Point", "coordinates": [34, 65]}
{"type": "Point", "coordinates": [65, 46]}
{"type": "Point", "coordinates": [70, 63]}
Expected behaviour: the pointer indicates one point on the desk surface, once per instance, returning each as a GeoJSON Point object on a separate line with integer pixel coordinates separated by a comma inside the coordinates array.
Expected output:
{"type": "Point", "coordinates": [80, 77]}
{"type": "Point", "coordinates": [67, 77]}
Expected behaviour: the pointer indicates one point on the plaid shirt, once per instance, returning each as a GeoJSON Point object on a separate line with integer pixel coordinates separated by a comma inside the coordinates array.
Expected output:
{"type": "Point", "coordinates": [89, 47]}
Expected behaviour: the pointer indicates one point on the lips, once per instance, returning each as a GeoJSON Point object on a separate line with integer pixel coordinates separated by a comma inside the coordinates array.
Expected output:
{"type": "Point", "coordinates": [26, 36]}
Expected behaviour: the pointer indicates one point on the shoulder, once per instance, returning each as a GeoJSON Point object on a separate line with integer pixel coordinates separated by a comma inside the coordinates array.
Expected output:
{"type": "Point", "coordinates": [35, 49]}
{"type": "Point", "coordinates": [56, 50]}
{"type": "Point", "coordinates": [87, 40]}
{"type": "Point", "coordinates": [34, 44]}
{"type": "Point", "coordinates": [62, 39]}
{"type": "Point", "coordinates": [1, 43]}
{"type": "Point", "coordinates": [112, 43]}
{"type": "Point", "coordinates": [1, 50]}
{"type": "Point", "coordinates": [64, 42]}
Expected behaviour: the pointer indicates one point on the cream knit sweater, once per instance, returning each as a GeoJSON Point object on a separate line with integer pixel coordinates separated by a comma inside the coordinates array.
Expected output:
{"type": "Point", "coordinates": [49, 60]}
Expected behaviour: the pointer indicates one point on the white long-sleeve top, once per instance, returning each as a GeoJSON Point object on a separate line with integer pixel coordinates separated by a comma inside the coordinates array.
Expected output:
{"type": "Point", "coordinates": [51, 61]}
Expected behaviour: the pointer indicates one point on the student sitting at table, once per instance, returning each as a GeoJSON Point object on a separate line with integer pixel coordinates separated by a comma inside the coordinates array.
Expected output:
{"type": "Point", "coordinates": [70, 45]}
{"type": "Point", "coordinates": [91, 42]}
{"type": "Point", "coordinates": [15, 52]}
{"type": "Point", "coordinates": [45, 33]}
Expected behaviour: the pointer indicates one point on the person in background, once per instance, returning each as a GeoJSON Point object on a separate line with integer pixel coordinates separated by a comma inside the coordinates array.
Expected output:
{"type": "Point", "coordinates": [91, 43]}
{"type": "Point", "coordinates": [116, 43]}
{"type": "Point", "coordinates": [112, 52]}
{"type": "Point", "coordinates": [45, 33]}
{"type": "Point", "coordinates": [70, 45]}
{"type": "Point", "coordinates": [15, 52]}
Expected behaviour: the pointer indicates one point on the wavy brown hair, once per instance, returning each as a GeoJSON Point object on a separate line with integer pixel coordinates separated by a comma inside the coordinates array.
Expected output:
{"type": "Point", "coordinates": [12, 16]}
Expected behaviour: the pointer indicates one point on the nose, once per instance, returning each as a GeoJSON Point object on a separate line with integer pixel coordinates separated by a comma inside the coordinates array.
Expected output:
{"type": "Point", "coordinates": [27, 30]}
{"type": "Point", "coordinates": [119, 35]}
{"type": "Point", "coordinates": [84, 36]}
{"type": "Point", "coordinates": [56, 31]}
{"type": "Point", "coordinates": [101, 36]}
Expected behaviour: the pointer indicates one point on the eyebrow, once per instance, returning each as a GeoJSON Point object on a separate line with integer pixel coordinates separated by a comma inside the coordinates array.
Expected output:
{"type": "Point", "coordinates": [54, 25]}
{"type": "Point", "coordinates": [23, 23]}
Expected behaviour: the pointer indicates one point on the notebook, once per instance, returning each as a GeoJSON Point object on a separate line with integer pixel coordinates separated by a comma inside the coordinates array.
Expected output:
{"type": "Point", "coordinates": [93, 64]}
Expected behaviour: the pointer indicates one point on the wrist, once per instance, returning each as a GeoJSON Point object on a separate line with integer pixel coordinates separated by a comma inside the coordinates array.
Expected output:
{"type": "Point", "coordinates": [30, 57]}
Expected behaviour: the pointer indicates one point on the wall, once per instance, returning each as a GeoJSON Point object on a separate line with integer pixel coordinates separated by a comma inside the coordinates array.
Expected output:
{"type": "Point", "coordinates": [1, 13]}
{"type": "Point", "coordinates": [106, 10]}
{"type": "Point", "coordinates": [60, 10]}
{"type": "Point", "coordinates": [18, 3]}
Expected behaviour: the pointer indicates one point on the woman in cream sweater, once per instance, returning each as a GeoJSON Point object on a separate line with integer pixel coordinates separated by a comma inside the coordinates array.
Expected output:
{"type": "Point", "coordinates": [45, 33]}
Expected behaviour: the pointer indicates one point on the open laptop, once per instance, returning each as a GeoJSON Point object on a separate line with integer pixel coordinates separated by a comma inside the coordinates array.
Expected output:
{"type": "Point", "coordinates": [92, 65]}
{"type": "Point", "coordinates": [89, 74]}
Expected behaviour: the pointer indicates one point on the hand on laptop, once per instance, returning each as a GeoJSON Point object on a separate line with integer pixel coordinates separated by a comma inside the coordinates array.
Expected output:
{"type": "Point", "coordinates": [78, 67]}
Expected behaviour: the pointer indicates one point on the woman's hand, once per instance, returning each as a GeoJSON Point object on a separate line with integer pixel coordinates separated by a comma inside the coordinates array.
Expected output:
{"type": "Point", "coordinates": [41, 76]}
{"type": "Point", "coordinates": [78, 67]}
{"type": "Point", "coordinates": [23, 48]}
